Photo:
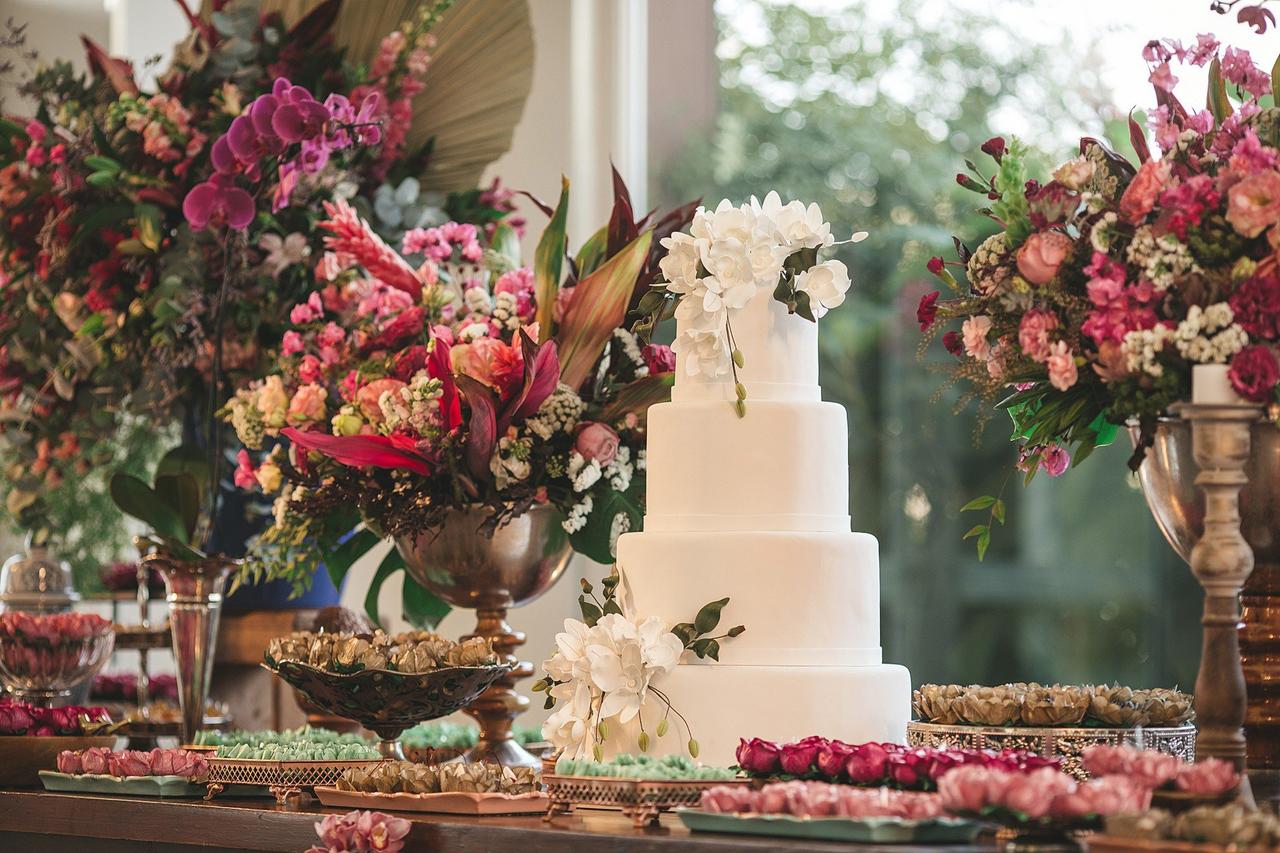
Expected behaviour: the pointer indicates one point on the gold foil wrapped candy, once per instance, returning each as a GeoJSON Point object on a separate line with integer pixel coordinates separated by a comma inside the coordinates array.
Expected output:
{"type": "Point", "coordinates": [1054, 706]}
{"type": "Point", "coordinates": [938, 703]}
{"type": "Point", "coordinates": [412, 652]}
{"type": "Point", "coordinates": [410, 778]}
{"type": "Point", "coordinates": [991, 706]}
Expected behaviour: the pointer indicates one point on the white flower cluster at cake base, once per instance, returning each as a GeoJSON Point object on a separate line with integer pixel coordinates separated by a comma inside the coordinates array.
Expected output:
{"type": "Point", "coordinates": [602, 673]}
{"type": "Point", "coordinates": [729, 255]}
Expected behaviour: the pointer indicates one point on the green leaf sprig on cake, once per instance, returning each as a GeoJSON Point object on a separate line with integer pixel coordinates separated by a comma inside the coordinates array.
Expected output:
{"type": "Point", "coordinates": [603, 669]}
{"type": "Point", "coordinates": [729, 255]}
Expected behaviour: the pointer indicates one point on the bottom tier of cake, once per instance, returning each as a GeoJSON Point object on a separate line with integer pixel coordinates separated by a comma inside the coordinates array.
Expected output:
{"type": "Point", "coordinates": [723, 703]}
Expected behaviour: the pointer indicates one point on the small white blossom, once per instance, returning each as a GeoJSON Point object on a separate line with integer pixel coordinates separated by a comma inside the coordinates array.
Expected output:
{"type": "Point", "coordinates": [560, 412]}
{"type": "Point", "coordinates": [641, 457]}
{"type": "Point", "coordinates": [473, 332]}
{"type": "Point", "coordinates": [576, 518]}
{"type": "Point", "coordinates": [504, 310]}
{"type": "Point", "coordinates": [620, 470]}
{"type": "Point", "coordinates": [631, 349]}
{"type": "Point", "coordinates": [1162, 259]}
{"type": "Point", "coordinates": [581, 473]}
{"type": "Point", "coordinates": [621, 524]}
{"type": "Point", "coordinates": [477, 300]}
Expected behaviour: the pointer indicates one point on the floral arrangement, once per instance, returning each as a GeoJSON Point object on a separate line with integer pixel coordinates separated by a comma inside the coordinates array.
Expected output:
{"type": "Point", "coordinates": [98, 761]}
{"type": "Point", "coordinates": [1107, 282]}
{"type": "Point", "coordinates": [123, 687]}
{"type": "Point", "coordinates": [874, 764]}
{"type": "Point", "coordinates": [1057, 705]}
{"type": "Point", "coordinates": [410, 777]}
{"type": "Point", "coordinates": [1230, 827]}
{"type": "Point", "coordinates": [1041, 798]}
{"type": "Point", "coordinates": [445, 377]}
{"type": "Point", "coordinates": [820, 799]}
{"type": "Point", "coordinates": [20, 718]}
{"type": "Point", "coordinates": [605, 665]}
{"type": "Point", "coordinates": [411, 652]}
{"type": "Point", "coordinates": [729, 254]}
{"type": "Point", "coordinates": [673, 768]}
{"type": "Point", "coordinates": [360, 832]}
{"type": "Point", "coordinates": [126, 304]}
{"type": "Point", "coordinates": [1208, 777]}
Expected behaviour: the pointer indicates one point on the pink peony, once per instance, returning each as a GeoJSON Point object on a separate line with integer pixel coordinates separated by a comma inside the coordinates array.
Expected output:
{"type": "Point", "coordinates": [1042, 254]}
{"type": "Point", "coordinates": [596, 442]}
{"type": "Point", "coordinates": [307, 406]}
{"type": "Point", "coordinates": [1062, 366]}
{"type": "Point", "coordinates": [1254, 373]}
{"type": "Point", "coordinates": [1253, 204]}
{"type": "Point", "coordinates": [759, 757]}
{"type": "Point", "coordinates": [975, 331]}
{"type": "Point", "coordinates": [1033, 333]}
{"type": "Point", "coordinates": [1140, 196]}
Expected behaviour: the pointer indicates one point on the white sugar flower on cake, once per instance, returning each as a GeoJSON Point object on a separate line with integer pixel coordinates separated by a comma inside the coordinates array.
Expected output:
{"type": "Point", "coordinates": [730, 254]}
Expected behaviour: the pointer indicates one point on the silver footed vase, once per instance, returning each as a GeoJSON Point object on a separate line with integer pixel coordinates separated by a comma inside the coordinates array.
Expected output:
{"type": "Point", "coordinates": [492, 574]}
{"type": "Point", "coordinates": [1167, 476]}
{"type": "Point", "coordinates": [194, 593]}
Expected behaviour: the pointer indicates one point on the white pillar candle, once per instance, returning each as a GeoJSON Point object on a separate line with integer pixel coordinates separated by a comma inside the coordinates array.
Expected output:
{"type": "Point", "coordinates": [1211, 387]}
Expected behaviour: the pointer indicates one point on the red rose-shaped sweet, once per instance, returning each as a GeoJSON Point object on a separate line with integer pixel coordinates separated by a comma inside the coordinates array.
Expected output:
{"type": "Point", "coordinates": [867, 764]}
{"type": "Point", "coordinates": [15, 719]}
{"type": "Point", "coordinates": [908, 768]}
{"type": "Point", "coordinates": [163, 761]}
{"type": "Point", "coordinates": [798, 758]}
{"type": "Point", "coordinates": [759, 757]}
{"type": "Point", "coordinates": [831, 759]}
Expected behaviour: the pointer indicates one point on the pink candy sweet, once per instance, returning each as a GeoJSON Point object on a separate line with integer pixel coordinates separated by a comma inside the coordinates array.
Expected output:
{"type": "Point", "coordinates": [821, 799]}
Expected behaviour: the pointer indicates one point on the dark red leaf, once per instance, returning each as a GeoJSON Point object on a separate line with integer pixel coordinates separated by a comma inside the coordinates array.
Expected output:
{"type": "Point", "coordinates": [439, 366]}
{"type": "Point", "coordinates": [547, 209]}
{"type": "Point", "coordinates": [482, 434]}
{"type": "Point", "coordinates": [316, 23]}
{"type": "Point", "coordinates": [541, 373]}
{"type": "Point", "coordinates": [1138, 140]}
{"type": "Point", "coordinates": [622, 226]}
{"type": "Point", "coordinates": [118, 72]}
{"type": "Point", "coordinates": [397, 452]}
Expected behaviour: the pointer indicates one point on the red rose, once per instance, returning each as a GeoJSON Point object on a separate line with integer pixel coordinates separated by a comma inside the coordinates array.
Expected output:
{"type": "Point", "coordinates": [1254, 373]}
{"type": "Point", "coordinates": [759, 757]}
{"type": "Point", "coordinates": [867, 764]}
{"type": "Point", "coordinates": [927, 310]}
{"type": "Point", "coordinates": [659, 358]}
{"type": "Point", "coordinates": [798, 758]}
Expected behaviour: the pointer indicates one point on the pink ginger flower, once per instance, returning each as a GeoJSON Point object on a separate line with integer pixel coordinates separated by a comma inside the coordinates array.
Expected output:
{"type": "Point", "coordinates": [353, 236]}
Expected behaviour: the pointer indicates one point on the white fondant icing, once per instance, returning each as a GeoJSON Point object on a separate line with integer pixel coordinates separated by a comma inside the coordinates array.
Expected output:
{"type": "Point", "coordinates": [806, 599]}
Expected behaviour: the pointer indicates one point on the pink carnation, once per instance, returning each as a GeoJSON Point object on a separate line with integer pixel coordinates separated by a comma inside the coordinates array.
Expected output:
{"type": "Point", "coordinates": [1253, 204]}
{"type": "Point", "coordinates": [1062, 366]}
{"type": "Point", "coordinates": [1120, 308]}
{"type": "Point", "coordinates": [975, 331]}
{"type": "Point", "coordinates": [1140, 196]}
{"type": "Point", "coordinates": [1033, 333]}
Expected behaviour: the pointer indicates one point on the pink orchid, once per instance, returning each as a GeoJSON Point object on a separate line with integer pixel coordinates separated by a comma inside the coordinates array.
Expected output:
{"type": "Point", "coordinates": [218, 202]}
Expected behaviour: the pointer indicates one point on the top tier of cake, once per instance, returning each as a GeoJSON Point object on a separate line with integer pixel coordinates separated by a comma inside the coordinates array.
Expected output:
{"type": "Point", "coordinates": [780, 353]}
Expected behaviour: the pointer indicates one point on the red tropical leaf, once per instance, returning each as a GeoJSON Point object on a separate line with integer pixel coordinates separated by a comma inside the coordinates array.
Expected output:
{"type": "Point", "coordinates": [440, 366]}
{"type": "Point", "coordinates": [397, 452]}
{"type": "Point", "coordinates": [541, 373]}
{"type": "Point", "coordinates": [118, 72]}
{"type": "Point", "coordinates": [1138, 140]}
{"type": "Point", "coordinates": [482, 434]}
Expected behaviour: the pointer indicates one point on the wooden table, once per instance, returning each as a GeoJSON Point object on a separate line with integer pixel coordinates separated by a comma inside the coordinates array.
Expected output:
{"type": "Point", "coordinates": [38, 822]}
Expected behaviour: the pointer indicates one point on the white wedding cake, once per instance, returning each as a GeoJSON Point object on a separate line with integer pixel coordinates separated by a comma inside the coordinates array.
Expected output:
{"type": "Point", "coordinates": [756, 508]}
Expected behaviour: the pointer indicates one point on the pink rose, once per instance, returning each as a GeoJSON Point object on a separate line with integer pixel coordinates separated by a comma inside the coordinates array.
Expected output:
{"type": "Point", "coordinates": [1254, 373]}
{"type": "Point", "coordinates": [759, 757]}
{"type": "Point", "coordinates": [368, 396]}
{"type": "Point", "coordinates": [1208, 777]}
{"type": "Point", "coordinates": [798, 758]}
{"type": "Point", "coordinates": [162, 761]}
{"type": "Point", "coordinates": [1033, 333]}
{"type": "Point", "coordinates": [69, 762]}
{"type": "Point", "coordinates": [1062, 366]}
{"type": "Point", "coordinates": [1140, 196]}
{"type": "Point", "coordinates": [658, 358]}
{"type": "Point", "coordinates": [596, 442]}
{"type": "Point", "coordinates": [1042, 254]}
{"type": "Point", "coordinates": [727, 799]}
{"type": "Point", "coordinates": [867, 764]}
{"type": "Point", "coordinates": [307, 406]}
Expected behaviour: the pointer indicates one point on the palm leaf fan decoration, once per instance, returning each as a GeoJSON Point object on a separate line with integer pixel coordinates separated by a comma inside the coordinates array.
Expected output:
{"type": "Point", "coordinates": [479, 79]}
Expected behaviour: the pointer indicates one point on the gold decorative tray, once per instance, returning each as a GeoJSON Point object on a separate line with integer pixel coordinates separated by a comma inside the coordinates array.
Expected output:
{"type": "Point", "coordinates": [1065, 743]}
{"type": "Point", "coordinates": [286, 780]}
{"type": "Point", "coordinates": [642, 800]}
